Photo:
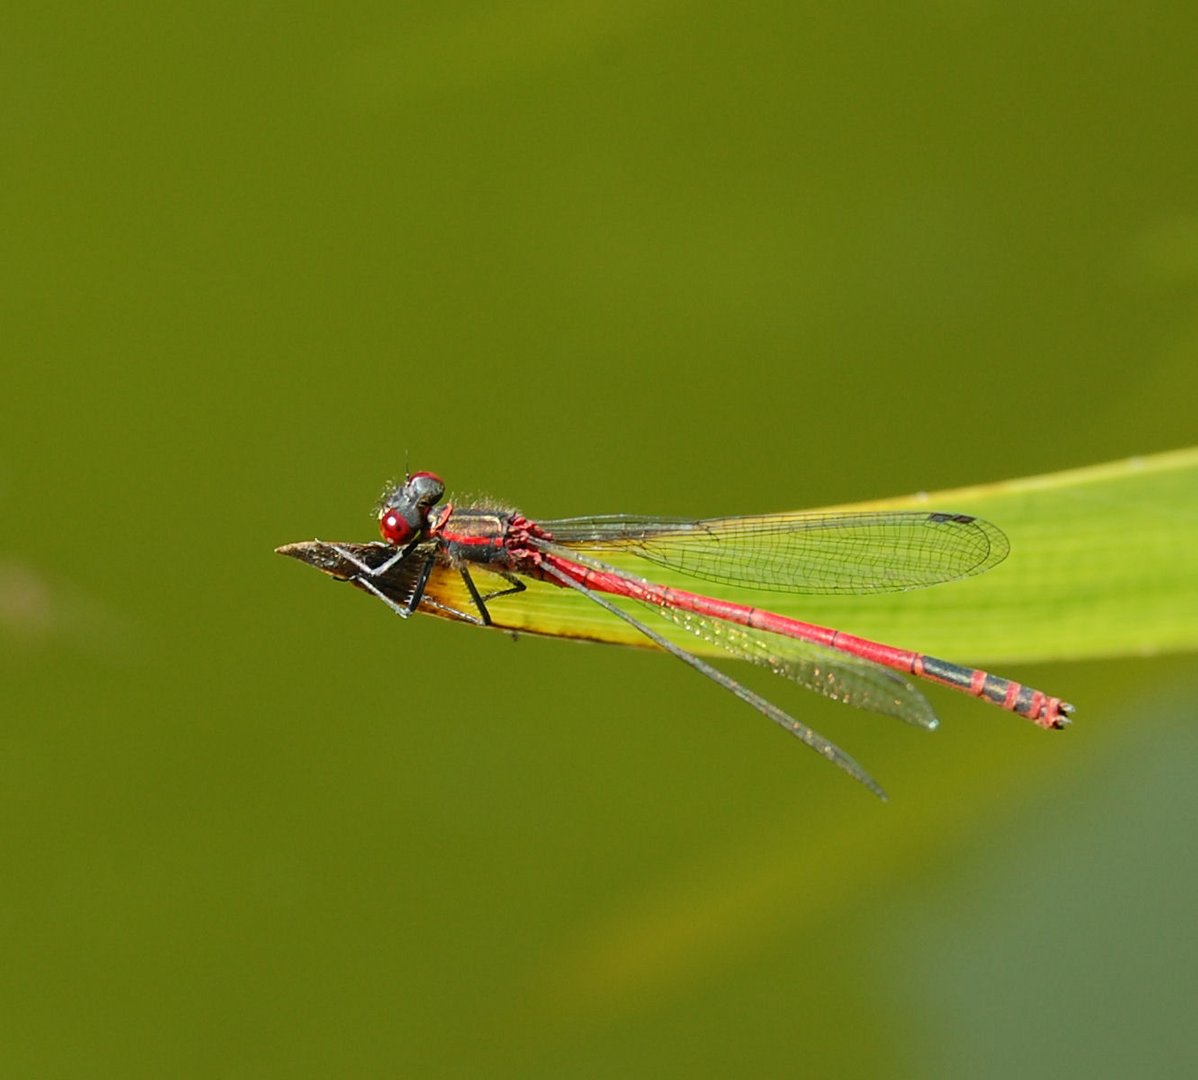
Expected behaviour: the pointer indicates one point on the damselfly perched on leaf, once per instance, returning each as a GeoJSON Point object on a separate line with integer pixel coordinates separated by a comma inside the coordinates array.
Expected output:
{"type": "Point", "coordinates": [472, 563]}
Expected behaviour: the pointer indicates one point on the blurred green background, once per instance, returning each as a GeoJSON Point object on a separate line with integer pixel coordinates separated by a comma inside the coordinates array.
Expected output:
{"type": "Point", "coordinates": [590, 257]}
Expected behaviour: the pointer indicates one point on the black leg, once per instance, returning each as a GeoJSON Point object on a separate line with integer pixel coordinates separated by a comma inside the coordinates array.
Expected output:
{"type": "Point", "coordinates": [480, 601]}
{"type": "Point", "coordinates": [422, 583]}
{"type": "Point", "coordinates": [405, 609]}
{"type": "Point", "coordinates": [383, 567]}
{"type": "Point", "coordinates": [484, 614]}
{"type": "Point", "coordinates": [517, 586]}
{"type": "Point", "coordinates": [375, 581]}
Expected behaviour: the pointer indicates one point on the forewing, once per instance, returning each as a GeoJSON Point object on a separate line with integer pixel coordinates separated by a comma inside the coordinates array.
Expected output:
{"type": "Point", "coordinates": [809, 553]}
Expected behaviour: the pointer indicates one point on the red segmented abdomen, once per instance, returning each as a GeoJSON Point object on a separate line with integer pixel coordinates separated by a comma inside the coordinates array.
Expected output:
{"type": "Point", "coordinates": [1033, 705]}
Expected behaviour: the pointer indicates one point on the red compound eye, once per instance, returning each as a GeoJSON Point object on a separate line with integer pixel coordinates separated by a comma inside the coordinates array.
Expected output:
{"type": "Point", "coordinates": [394, 528]}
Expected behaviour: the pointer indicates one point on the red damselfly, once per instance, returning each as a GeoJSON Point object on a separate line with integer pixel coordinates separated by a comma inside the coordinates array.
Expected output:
{"type": "Point", "coordinates": [430, 556]}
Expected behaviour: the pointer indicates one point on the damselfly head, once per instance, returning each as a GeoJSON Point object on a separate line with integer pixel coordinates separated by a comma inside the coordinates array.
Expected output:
{"type": "Point", "coordinates": [405, 511]}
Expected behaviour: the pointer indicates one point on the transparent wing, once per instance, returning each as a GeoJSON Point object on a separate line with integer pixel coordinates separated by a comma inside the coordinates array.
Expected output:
{"type": "Point", "coordinates": [808, 553]}
{"type": "Point", "coordinates": [833, 674]}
